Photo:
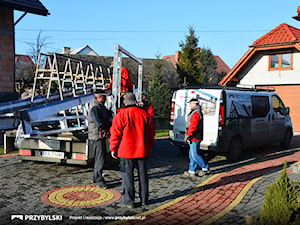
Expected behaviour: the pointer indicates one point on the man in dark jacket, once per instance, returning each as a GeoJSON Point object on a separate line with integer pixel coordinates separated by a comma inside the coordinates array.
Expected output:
{"type": "Point", "coordinates": [194, 135]}
{"type": "Point", "coordinates": [132, 138]}
{"type": "Point", "coordinates": [99, 122]}
{"type": "Point", "coordinates": [146, 105]}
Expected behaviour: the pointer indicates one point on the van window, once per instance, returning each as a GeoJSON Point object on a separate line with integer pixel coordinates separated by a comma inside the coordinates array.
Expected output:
{"type": "Point", "coordinates": [208, 106]}
{"type": "Point", "coordinates": [278, 105]}
{"type": "Point", "coordinates": [260, 106]}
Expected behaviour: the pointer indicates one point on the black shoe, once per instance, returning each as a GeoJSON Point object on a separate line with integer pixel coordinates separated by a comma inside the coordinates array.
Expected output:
{"type": "Point", "coordinates": [102, 185]}
{"type": "Point", "coordinates": [144, 203]}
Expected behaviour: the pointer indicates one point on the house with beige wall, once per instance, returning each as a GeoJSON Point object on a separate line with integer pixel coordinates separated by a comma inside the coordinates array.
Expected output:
{"type": "Point", "coordinates": [272, 61]}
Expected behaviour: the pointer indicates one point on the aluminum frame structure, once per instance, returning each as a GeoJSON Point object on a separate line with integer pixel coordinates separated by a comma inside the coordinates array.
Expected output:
{"type": "Point", "coordinates": [116, 87]}
{"type": "Point", "coordinates": [70, 75]}
{"type": "Point", "coordinates": [47, 112]}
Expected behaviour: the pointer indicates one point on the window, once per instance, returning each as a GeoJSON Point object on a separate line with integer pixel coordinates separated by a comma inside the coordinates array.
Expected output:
{"type": "Point", "coordinates": [278, 105]}
{"type": "Point", "coordinates": [274, 61]}
{"type": "Point", "coordinates": [286, 60]}
{"type": "Point", "coordinates": [281, 61]}
{"type": "Point", "coordinates": [260, 106]}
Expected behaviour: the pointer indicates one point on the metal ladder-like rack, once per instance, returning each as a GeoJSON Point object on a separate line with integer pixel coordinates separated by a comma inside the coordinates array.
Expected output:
{"type": "Point", "coordinates": [68, 73]}
{"type": "Point", "coordinates": [60, 74]}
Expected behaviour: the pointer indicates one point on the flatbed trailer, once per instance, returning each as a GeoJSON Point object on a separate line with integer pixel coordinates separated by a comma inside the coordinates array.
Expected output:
{"type": "Point", "coordinates": [57, 131]}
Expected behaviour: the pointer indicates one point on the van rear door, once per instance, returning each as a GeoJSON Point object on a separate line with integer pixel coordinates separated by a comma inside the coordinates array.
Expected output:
{"type": "Point", "coordinates": [180, 113]}
{"type": "Point", "coordinates": [209, 100]}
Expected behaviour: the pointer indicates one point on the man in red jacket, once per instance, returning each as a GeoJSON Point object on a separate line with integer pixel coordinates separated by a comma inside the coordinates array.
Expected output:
{"type": "Point", "coordinates": [194, 135]}
{"type": "Point", "coordinates": [126, 83]}
{"type": "Point", "coordinates": [132, 138]}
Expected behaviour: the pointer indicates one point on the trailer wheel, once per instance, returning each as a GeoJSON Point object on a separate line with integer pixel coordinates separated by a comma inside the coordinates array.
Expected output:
{"type": "Point", "coordinates": [235, 150]}
{"type": "Point", "coordinates": [287, 138]}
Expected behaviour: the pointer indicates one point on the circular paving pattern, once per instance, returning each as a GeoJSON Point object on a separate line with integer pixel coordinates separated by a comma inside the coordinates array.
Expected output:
{"type": "Point", "coordinates": [84, 196]}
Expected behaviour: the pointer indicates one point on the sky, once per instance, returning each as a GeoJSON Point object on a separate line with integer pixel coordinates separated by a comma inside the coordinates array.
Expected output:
{"type": "Point", "coordinates": [148, 29]}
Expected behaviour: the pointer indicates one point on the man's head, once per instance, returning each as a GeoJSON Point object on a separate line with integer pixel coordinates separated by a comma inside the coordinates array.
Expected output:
{"type": "Point", "coordinates": [129, 99]}
{"type": "Point", "coordinates": [193, 102]}
{"type": "Point", "coordinates": [100, 95]}
{"type": "Point", "coordinates": [144, 97]}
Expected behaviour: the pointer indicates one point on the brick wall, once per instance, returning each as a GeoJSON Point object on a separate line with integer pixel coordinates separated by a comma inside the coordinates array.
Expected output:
{"type": "Point", "coordinates": [6, 50]}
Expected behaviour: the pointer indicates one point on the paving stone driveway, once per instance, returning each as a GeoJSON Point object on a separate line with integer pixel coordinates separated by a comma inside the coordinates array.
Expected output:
{"type": "Point", "coordinates": [23, 184]}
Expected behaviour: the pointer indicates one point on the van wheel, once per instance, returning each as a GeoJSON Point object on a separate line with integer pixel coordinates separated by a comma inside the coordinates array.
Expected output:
{"type": "Point", "coordinates": [235, 150]}
{"type": "Point", "coordinates": [287, 138]}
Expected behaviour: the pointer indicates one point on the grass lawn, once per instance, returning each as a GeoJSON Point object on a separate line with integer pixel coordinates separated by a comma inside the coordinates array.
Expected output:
{"type": "Point", "coordinates": [161, 133]}
{"type": "Point", "coordinates": [2, 151]}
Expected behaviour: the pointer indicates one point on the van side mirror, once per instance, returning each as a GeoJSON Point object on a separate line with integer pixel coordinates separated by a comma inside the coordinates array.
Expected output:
{"type": "Point", "coordinates": [287, 111]}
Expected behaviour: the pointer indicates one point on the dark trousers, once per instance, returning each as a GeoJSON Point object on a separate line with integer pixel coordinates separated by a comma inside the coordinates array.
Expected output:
{"type": "Point", "coordinates": [98, 151]}
{"type": "Point", "coordinates": [127, 168]}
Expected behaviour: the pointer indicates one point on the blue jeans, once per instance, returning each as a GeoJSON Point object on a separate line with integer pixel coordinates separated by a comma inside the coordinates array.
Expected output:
{"type": "Point", "coordinates": [196, 159]}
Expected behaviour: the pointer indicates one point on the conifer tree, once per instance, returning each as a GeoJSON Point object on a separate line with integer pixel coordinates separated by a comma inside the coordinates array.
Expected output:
{"type": "Point", "coordinates": [159, 94]}
{"type": "Point", "coordinates": [208, 67]}
{"type": "Point", "coordinates": [196, 65]}
{"type": "Point", "coordinates": [280, 204]}
{"type": "Point", "coordinates": [188, 67]}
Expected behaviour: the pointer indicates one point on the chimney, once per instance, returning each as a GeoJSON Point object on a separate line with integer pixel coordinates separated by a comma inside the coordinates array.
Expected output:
{"type": "Point", "coordinates": [66, 50]}
{"type": "Point", "coordinates": [176, 57]}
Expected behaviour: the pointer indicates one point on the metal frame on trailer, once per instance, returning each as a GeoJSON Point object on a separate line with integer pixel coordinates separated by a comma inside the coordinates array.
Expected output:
{"type": "Point", "coordinates": [49, 131]}
{"type": "Point", "coordinates": [46, 112]}
{"type": "Point", "coordinates": [117, 79]}
{"type": "Point", "coordinates": [68, 73]}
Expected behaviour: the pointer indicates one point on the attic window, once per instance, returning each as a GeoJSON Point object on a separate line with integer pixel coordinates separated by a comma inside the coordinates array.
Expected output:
{"type": "Point", "coordinates": [281, 61]}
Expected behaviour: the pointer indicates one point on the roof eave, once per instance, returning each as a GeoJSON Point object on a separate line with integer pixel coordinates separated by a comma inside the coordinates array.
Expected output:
{"type": "Point", "coordinates": [237, 67]}
{"type": "Point", "coordinates": [274, 45]}
{"type": "Point", "coordinates": [40, 12]}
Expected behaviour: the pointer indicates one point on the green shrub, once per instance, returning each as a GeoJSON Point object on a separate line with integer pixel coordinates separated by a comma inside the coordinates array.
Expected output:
{"type": "Point", "coordinates": [280, 204]}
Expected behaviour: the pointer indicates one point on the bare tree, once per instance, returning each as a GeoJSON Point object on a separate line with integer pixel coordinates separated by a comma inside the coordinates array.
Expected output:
{"type": "Point", "coordinates": [38, 46]}
{"type": "Point", "coordinates": [24, 74]}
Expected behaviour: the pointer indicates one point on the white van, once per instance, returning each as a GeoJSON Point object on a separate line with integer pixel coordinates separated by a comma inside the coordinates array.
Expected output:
{"type": "Point", "coordinates": [234, 118]}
